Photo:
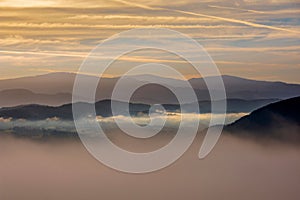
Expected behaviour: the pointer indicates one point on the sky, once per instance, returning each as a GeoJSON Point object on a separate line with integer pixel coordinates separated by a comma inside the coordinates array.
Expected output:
{"type": "Point", "coordinates": [247, 38]}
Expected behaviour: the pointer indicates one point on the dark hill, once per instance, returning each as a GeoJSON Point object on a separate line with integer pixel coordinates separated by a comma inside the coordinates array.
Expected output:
{"type": "Point", "coordinates": [103, 108]}
{"type": "Point", "coordinates": [41, 112]}
{"type": "Point", "coordinates": [279, 120]}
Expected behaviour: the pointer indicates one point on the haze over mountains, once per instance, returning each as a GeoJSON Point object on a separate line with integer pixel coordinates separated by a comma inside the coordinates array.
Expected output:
{"type": "Point", "coordinates": [16, 97]}
{"type": "Point", "coordinates": [271, 116]}
{"type": "Point", "coordinates": [278, 121]}
{"type": "Point", "coordinates": [56, 88]}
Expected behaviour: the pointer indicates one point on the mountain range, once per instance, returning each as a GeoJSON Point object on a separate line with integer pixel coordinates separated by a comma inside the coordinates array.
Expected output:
{"type": "Point", "coordinates": [55, 89]}
{"type": "Point", "coordinates": [279, 121]}
{"type": "Point", "coordinates": [103, 108]}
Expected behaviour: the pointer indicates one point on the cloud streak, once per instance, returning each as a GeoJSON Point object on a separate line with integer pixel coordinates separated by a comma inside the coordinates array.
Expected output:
{"type": "Point", "coordinates": [59, 35]}
{"type": "Point", "coordinates": [239, 9]}
{"type": "Point", "coordinates": [232, 20]}
{"type": "Point", "coordinates": [112, 26]}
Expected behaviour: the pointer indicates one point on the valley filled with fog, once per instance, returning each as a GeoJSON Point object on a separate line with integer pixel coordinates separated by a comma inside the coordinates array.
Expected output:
{"type": "Point", "coordinates": [61, 168]}
{"type": "Point", "coordinates": [67, 126]}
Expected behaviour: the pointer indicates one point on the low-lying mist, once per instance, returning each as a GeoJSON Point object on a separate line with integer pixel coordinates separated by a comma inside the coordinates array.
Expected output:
{"type": "Point", "coordinates": [67, 126]}
{"type": "Point", "coordinates": [60, 168]}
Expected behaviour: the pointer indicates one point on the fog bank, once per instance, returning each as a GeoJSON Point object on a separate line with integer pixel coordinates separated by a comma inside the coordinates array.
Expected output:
{"type": "Point", "coordinates": [62, 169]}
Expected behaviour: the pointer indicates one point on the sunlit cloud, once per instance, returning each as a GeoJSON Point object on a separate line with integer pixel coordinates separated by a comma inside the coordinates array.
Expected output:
{"type": "Point", "coordinates": [238, 35]}
{"type": "Point", "coordinates": [29, 3]}
{"type": "Point", "coordinates": [140, 17]}
{"type": "Point", "coordinates": [238, 21]}
{"type": "Point", "coordinates": [239, 9]}
{"type": "Point", "coordinates": [138, 5]}
{"type": "Point", "coordinates": [110, 26]}
{"type": "Point", "coordinates": [233, 20]}
{"type": "Point", "coordinates": [19, 40]}
{"type": "Point", "coordinates": [64, 54]}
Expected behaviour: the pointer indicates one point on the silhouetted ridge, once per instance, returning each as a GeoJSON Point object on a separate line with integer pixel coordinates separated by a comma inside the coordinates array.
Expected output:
{"type": "Point", "coordinates": [56, 89]}
{"type": "Point", "coordinates": [41, 112]}
{"type": "Point", "coordinates": [278, 120]}
{"type": "Point", "coordinates": [103, 108]}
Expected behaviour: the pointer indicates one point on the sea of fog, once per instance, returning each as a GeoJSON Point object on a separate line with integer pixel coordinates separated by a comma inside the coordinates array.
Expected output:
{"type": "Point", "coordinates": [61, 168]}
{"type": "Point", "coordinates": [172, 120]}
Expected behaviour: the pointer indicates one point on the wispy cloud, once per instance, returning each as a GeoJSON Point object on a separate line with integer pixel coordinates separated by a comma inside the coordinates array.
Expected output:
{"type": "Point", "coordinates": [45, 53]}
{"type": "Point", "coordinates": [141, 17]}
{"type": "Point", "coordinates": [112, 26]}
{"type": "Point", "coordinates": [20, 40]}
{"type": "Point", "coordinates": [138, 5]}
{"type": "Point", "coordinates": [239, 9]}
{"type": "Point", "coordinates": [58, 34]}
{"type": "Point", "coordinates": [233, 20]}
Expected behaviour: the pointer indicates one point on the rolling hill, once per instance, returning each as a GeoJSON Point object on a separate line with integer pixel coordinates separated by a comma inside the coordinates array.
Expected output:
{"type": "Point", "coordinates": [280, 120]}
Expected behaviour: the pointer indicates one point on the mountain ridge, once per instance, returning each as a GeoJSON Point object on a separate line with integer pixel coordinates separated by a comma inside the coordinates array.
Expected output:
{"type": "Point", "coordinates": [103, 108]}
{"type": "Point", "coordinates": [62, 83]}
{"type": "Point", "coordinates": [279, 120]}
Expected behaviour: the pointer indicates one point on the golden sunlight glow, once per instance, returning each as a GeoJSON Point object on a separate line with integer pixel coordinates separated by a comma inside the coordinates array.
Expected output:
{"type": "Point", "coordinates": [28, 3]}
{"type": "Point", "coordinates": [41, 37]}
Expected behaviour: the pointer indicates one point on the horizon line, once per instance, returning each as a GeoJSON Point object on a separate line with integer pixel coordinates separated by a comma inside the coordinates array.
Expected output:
{"type": "Point", "coordinates": [149, 74]}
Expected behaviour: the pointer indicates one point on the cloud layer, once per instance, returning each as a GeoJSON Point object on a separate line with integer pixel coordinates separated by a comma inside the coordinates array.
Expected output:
{"type": "Point", "coordinates": [56, 35]}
